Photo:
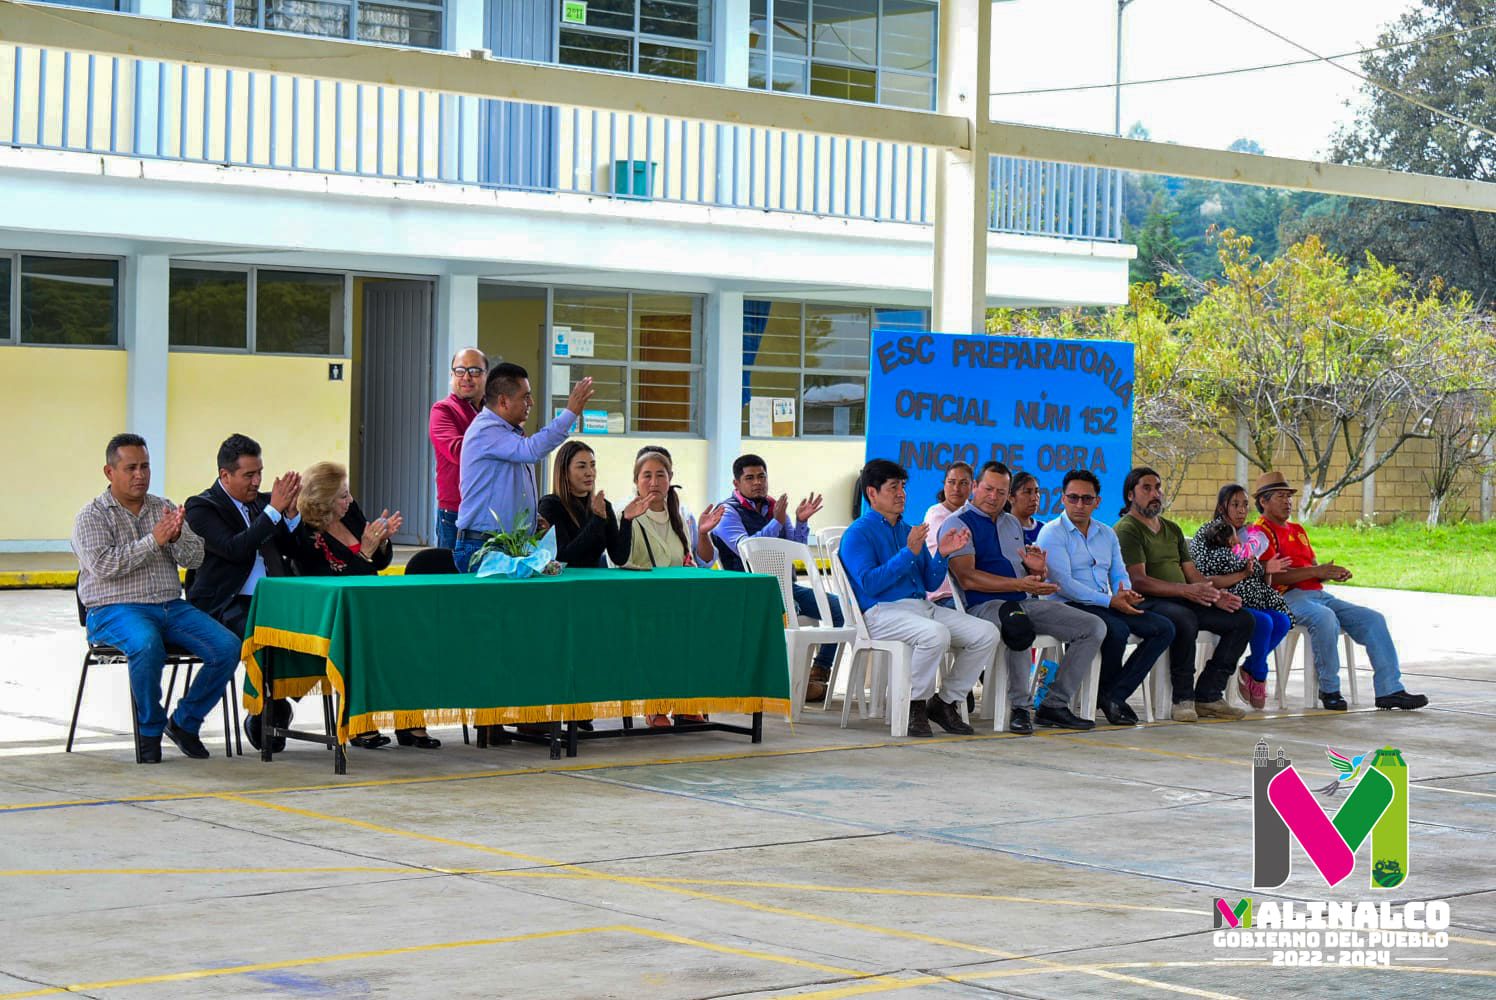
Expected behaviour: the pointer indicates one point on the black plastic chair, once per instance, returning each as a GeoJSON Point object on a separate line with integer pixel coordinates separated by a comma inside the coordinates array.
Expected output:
{"type": "Point", "coordinates": [434, 562]}
{"type": "Point", "coordinates": [101, 653]}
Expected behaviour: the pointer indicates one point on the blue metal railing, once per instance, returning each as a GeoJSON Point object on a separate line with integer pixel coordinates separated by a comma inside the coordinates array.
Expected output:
{"type": "Point", "coordinates": [69, 101]}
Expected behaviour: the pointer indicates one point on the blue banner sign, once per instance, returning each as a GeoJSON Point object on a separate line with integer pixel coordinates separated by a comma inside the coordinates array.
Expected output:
{"type": "Point", "coordinates": [1044, 406]}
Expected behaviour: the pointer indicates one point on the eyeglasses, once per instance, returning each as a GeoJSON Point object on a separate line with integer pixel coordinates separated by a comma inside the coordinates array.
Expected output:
{"type": "Point", "coordinates": [1084, 498]}
{"type": "Point", "coordinates": [473, 372]}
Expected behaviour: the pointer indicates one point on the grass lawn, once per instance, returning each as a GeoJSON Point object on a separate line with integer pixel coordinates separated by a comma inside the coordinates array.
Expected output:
{"type": "Point", "coordinates": [1449, 559]}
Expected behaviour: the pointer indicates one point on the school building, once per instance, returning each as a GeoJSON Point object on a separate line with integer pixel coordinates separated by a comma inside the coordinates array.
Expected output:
{"type": "Point", "coordinates": [188, 251]}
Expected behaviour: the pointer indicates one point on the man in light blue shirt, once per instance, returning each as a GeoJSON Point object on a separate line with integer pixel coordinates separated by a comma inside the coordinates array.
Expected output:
{"type": "Point", "coordinates": [890, 571]}
{"type": "Point", "coordinates": [1085, 560]}
{"type": "Point", "coordinates": [498, 484]}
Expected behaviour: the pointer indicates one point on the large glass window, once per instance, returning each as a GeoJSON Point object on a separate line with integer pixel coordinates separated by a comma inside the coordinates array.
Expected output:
{"type": "Point", "coordinates": [643, 352]}
{"type": "Point", "coordinates": [68, 300]}
{"type": "Point", "coordinates": [815, 356]}
{"type": "Point", "coordinates": [653, 37]}
{"type": "Point", "coordinates": [209, 309]}
{"type": "Point", "coordinates": [294, 312]}
{"type": "Point", "coordinates": [299, 312]}
{"type": "Point", "coordinates": [416, 23]}
{"type": "Point", "coordinates": [6, 268]}
{"type": "Point", "coordinates": [874, 51]}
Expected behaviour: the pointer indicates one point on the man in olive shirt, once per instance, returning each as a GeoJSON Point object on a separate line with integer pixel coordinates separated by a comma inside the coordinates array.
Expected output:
{"type": "Point", "coordinates": [1158, 562]}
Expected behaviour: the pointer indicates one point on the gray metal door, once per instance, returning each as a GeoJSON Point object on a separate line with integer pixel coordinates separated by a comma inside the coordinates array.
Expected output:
{"type": "Point", "coordinates": [397, 469]}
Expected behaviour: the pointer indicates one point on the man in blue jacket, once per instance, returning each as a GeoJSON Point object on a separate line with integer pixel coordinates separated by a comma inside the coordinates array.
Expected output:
{"type": "Point", "coordinates": [891, 571]}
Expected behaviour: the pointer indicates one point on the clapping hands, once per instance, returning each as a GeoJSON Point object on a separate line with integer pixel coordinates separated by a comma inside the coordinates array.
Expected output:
{"type": "Point", "coordinates": [169, 528]}
{"type": "Point", "coordinates": [379, 530]}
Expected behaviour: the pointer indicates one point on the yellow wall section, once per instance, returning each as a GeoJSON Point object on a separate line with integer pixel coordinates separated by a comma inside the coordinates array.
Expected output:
{"type": "Point", "coordinates": [286, 404]}
{"type": "Point", "coordinates": [828, 467]}
{"type": "Point", "coordinates": [615, 467]}
{"type": "Point", "coordinates": [70, 403]}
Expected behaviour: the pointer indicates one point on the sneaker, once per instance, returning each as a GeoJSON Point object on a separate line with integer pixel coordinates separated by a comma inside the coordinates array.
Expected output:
{"type": "Point", "coordinates": [1184, 711]}
{"type": "Point", "coordinates": [1402, 700]}
{"type": "Point", "coordinates": [945, 715]}
{"type": "Point", "coordinates": [815, 688]}
{"type": "Point", "coordinates": [919, 719]}
{"type": "Point", "coordinates": [1218, 709]}
{"type": "Point", "coordinates": [1332, 701]}
{"type": "Point", "coordinates": [1257, 694]}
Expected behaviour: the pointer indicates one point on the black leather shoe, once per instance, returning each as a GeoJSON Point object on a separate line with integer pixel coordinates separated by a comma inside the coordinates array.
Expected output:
{"type": "Point", "coordinates": [370, 741]}
{"type": "Point", "coordinates": [150, 749]}
{"type": "Point", "coordinates": [280, 713]}
{"type": "Point", "coordinates": [1020, 722]}
{"type": "Point", "coordinates": [585, 725]}
{"type": "Point", "coordinates": [919, 719]}
{"type": "Point", "coordinates": [1333, 702]}
{"type": "Point", "coordinates": [1403, 700]}
{"type": "Point", "coordinates": [406, 738]}
{"type": "Point", "coordinates": [1061, 718]}
{"type": "Point", "coordinates": [186, 742]}
{"type": "Point", "coordinates": [945, 715]}
{"type": "Point", "coordinates": [1117, 713]}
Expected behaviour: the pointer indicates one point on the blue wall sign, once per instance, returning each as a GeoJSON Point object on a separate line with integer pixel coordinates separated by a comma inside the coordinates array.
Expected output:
{"type": "Point", "coordinates": [1045, 406]}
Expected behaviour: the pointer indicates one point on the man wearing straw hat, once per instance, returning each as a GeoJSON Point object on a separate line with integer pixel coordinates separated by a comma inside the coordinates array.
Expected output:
{"type": "Point", "coordinates": [1323, 614]}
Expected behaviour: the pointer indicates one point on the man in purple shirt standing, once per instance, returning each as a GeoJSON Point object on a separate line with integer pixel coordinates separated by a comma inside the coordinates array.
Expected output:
{"type": "Point", "coordinates": [450, 419]}
{"type": "Point", "coordinates": [497, 469]}
{"type": "Point", "coordinates": [751, 513]}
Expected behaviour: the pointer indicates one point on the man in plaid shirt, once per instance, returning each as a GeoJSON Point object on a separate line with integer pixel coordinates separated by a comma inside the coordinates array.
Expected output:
{"type": "Point", "coordinates": [129, 545]}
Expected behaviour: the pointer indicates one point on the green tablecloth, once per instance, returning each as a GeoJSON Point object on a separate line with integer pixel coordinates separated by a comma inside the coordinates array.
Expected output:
{"type": "Point", "coordinates": [591, 643]}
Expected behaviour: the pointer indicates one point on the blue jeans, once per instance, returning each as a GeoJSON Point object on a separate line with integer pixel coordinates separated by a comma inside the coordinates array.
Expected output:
{"type": "Point", "coordinates": [463, 553]}
{"type": "Point", "coordinates": [805, 604]}
{"type": "Point", "coordinates": [1325, 616]}
{"type": "Point", "coordinates": [446, 529]}
{"type": "Point", "coordinates": [1270, 628]}
{"type": "Point", "coordinates": [142, 632]}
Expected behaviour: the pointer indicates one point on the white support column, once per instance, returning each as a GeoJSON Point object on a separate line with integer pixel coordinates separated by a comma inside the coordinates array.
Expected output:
{"type": "Point", "coordinates": [462, 127]}
{"type": "Point", "coordinates": [722, 389]}
{"type": "Point", "coordinates": [456, 323]}
{"type": "Point", "coordinates": [965, 71]}
{"type": "Point", "coordinates": [147, 87]}
{"type": "Point", "coordinates": [146, 295]}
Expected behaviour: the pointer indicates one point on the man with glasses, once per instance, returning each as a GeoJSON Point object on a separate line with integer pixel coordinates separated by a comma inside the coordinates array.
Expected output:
{"type": "Point", "coordinates": [450, 419]}
{"type": "Point", "coordinates": [1161, 568]}
{"type": "Point", "coordinates": [1324, 615]}
{"type": "Point", "coordinates": [1085, 561]}
{"type": "Point", "coordinates": [998, 574]}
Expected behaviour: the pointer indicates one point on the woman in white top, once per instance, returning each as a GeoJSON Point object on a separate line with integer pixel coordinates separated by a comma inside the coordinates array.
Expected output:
{"type": "Point", "coordinates": [952, 497]}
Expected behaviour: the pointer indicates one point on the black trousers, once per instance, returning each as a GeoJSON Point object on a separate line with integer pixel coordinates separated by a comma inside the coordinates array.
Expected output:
{"type": "Point", "coordinates": [235, 617]}
{"type": "Point", "coordinates": [1189, 618]}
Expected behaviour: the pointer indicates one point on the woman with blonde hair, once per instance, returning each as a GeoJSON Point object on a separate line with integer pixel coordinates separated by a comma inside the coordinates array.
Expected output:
{"type": "Point", "coordinates": [336, 539]}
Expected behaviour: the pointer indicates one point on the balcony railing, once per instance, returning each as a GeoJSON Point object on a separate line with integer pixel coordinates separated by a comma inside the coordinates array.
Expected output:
{"type": "Point", "coordinates": [51, 99]}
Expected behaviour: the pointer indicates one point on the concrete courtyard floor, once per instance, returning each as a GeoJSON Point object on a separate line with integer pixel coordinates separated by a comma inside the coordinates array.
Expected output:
{"type": "Point", "coordinates": [823, 863]}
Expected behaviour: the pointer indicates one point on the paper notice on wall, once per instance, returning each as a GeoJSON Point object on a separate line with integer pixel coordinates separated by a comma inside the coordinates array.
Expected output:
{"type": "Point", "coordinates": [573, 12]}
{"type": "Point", "coordinates": [616, 423]}
{"type": "Point", "coordinates": [783, 413]}
{"type": "Point", "coordinates": [582, 342]}
{"type": "Point", "coordinates": [594, 421]}
{"type": "Point", "coordinates": [760, 417]}
{"type": "Point", "coordinates": [560, 410]}
{"type": "Point", "coordinates": [561, 341]}
{"type": "Point", "coordinates": [560, 380]}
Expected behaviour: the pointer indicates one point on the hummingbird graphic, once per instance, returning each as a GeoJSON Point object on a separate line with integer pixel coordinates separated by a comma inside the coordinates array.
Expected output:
{"type": "Point", "coordinates": [1349, 769]}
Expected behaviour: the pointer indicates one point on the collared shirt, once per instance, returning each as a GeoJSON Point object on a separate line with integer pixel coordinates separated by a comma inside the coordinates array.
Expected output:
{"type": "Point", "coordinates": [119, 561]}
{"type": "Point", "coordinates": [731, 531]}
{"type": "Point", "coordinates": [996, 546]}
{"type": "Point", "coordinates": [498, 470]}
{"type": "Point", "coordinates": [1292, 542]}
{"type": "Point", "coordinates": [1089, 567]}
{"type": "Point", "coordinates": [880, 566]}
{"type": "Point", "coordinates": [450, 419]}
{"type": "Point", "coordinates": [257, 572]}
{"type": "Point", "coordinates": [936, 516]}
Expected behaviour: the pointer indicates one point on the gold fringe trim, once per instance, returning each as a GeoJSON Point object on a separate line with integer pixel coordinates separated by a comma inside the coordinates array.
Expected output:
{"type": "Point", "coordinates": [291, 687]}
{"type": "Point", "coordinates": [563, 713]}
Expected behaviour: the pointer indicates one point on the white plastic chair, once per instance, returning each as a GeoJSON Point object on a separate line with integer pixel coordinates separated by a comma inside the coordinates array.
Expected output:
{"type": "Point", "coordinates": [776, 557]}
{"type": "Point", "coordinates": [861, 674]}
{"type": "Point", "coordinates": [1283, 662]}
{"type": "Point", "coordinates": [994, 704]}
{"type": "Point", "coordinates": [1162, 679]}
{"type": "Point", "coordinates": [828, 540]}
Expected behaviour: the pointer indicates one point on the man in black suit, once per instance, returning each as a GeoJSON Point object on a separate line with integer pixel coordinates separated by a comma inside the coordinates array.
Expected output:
{"type": "Point", "coordinates": [246, 535]}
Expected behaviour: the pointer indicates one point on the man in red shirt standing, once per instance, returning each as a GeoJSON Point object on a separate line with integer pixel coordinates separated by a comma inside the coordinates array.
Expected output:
{"type": "Point", "coordinates": [450, 418]}
{"type": "Point", "coordinates": [1321, 613]}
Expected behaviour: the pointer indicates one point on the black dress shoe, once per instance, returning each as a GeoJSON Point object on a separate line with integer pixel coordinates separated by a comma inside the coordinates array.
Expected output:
{"type": "Point", "coordinates": [585, 725]}
{"type": "Point", "coordinates": [919, 719]}
{"type": "Point", "coordinates": [1117, 713]}
{"type": "Point", "coordinates": [186, 742]}
{"type": "Point", "coordinates": [370, 741]}
{"type": "Point", "coordinates": [1403, 700]}
{"type": "Point", "coordinates": [1020, 722]}
{"type": "Point", "coordinates": [1061, 718]}
{"type": "Point", "coordinates": [1333, 702]}
{"type": "Point", "coordinates": [280, 714]}
{"type": "Point", "coordinates": [945, 715]}
{"type": "Point", "coordinates": [406, 738]}
{"type": "Point", "coordinates": [150, 750]}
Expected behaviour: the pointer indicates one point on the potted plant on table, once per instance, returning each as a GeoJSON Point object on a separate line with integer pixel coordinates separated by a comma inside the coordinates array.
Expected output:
{"type": "Point", "coordinates": [519, 552]}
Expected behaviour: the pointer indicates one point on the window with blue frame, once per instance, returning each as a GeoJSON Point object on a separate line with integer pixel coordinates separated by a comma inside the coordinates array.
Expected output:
{"type": "Point", "coordinates": [874, 51]}
{"type": "Point", "coordinates": [651, 37]}
{"type": "Point", "coordinates": [416, 23]}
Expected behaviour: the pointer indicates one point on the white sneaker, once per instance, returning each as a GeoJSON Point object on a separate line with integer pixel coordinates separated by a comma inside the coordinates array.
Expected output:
{"type": "Point", "coordinates": [1184, 712]}
{"type": "Point", "coordinates": [1221, 709]}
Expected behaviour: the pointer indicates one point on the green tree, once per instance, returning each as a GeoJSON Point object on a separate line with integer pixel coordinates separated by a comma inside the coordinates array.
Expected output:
{"type": "Point", "coordinates": [1159, 252]}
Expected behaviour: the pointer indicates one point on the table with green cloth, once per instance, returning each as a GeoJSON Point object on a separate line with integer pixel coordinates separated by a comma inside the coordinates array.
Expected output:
{"type": "Point", "coordinates": [403, 651]}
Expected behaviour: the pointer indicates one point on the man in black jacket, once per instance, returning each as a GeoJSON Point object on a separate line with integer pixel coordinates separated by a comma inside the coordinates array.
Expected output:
{"type": "Point", "coordinates": [246, 535]}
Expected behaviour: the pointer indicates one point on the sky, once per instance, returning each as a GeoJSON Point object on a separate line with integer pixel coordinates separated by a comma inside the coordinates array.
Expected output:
{"type": "Point", "coordinates": [1289, 112]}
